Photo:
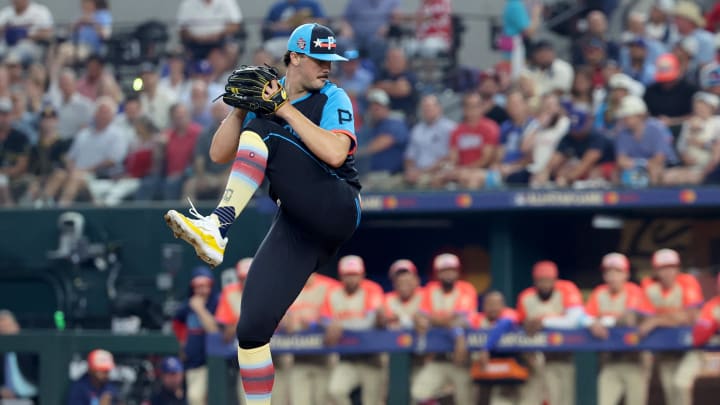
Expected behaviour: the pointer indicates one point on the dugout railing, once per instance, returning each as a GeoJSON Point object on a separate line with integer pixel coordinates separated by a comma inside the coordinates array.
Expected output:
{"type": "Point", "coordinates": [55, 351]}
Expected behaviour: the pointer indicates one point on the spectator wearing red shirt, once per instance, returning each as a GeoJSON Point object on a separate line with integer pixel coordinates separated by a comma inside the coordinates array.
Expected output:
{"type": "Point", "coordinates": [472, 146]}
{"type": "Point", "coordinates": [433, 30]}
{"type": "Point", "coordinates": [179, 148]}
{"type": "Point", "coordinates": [676, 299]}
{"type": "Point", "coordinates": [712, 18]}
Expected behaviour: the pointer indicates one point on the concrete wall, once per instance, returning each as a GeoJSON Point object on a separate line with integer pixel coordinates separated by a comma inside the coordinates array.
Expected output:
{"type": "Point", "coordinates": [475, 52]}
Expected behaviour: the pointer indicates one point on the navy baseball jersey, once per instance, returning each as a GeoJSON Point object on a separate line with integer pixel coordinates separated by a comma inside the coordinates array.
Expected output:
{"type": "Point", "coordinates": [329, 108]}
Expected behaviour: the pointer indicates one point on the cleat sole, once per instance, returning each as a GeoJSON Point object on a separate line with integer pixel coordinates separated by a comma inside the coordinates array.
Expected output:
{"type": "Point", "coordinates": [172, 218]}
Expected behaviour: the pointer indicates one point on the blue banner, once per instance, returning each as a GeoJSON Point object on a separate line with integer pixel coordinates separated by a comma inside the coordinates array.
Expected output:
{"type": "Point", "coordinates": [440, 341]}
{"type": "Point", "coordinates": [526, 199]}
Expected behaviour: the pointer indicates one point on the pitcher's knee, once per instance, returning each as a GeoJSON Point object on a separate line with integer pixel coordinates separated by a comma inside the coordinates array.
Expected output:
{"type": "Point", "coordinates": [254, 332]}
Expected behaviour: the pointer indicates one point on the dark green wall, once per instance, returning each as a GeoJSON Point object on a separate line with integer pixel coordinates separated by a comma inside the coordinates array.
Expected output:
{"type": "Point", "coordinates": [27, 276]}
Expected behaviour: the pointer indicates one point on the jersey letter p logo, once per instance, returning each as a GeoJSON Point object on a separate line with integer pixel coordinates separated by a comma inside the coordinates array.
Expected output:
{"type": "Point", "coordinates": [344, 116]}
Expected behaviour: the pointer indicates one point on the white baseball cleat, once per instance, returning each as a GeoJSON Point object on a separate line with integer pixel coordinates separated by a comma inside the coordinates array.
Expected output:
{"type": "Point", "coordinates": [203, 233]}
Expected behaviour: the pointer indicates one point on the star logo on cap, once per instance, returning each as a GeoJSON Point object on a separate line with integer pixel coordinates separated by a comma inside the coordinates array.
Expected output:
{"type": "Point", "coordinates": [328, 43]}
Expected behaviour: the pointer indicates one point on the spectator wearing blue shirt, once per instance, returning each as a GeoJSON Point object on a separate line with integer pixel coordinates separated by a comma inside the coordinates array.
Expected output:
{"type": "Point", "coordinates": [619, 86]}
{"type": "Point", "coordinates": [95, 388]}
{"type": "Point", "coordinates": [644, 146]}
{"type": "Point", "coordinates": [689, 22]}
{"type": "Point", "coordinates": [171, 390]}
{"type": "Point", "coordinates": [637, 60]}
{"type": "Point", "coordinates": [385, 142]}
{"type": "Point", "coordinates": [93, 27]}
{"type": "Point", "coordinates": [193, 321]}
{"type": "Point", "coordinates": [511, 158]}
{"type": "Point", "coordinates": [352, 76]}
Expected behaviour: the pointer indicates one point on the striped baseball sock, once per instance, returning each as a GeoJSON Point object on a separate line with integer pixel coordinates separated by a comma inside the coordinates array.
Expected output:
{"type": "Point", "coordinates": [248, 172]}
{"type": "Point", "coordinates": [258, 374]}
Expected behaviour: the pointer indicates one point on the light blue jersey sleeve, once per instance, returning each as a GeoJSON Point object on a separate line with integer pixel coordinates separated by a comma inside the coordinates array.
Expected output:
{"type": "Point", "coordinates": [337, 114]}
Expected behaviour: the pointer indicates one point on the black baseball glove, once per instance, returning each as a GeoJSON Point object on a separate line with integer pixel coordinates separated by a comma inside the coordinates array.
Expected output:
{"type": "Point", "coordinates": [246, 89]}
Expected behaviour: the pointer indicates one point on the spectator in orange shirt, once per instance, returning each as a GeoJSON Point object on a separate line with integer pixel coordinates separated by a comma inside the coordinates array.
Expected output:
{"type": "Point", "coordinates": [450, 303]}
{"type": "Point", "coordinates": [403, 305]}
{"type": "Point", "coordinates": [497, 319]}
{"type": "Point", "coordinates": [228, 310]}
{"type": "Point", "coordinates": [353, 306]}
{"type": "Point", "coordinates": [676, 298]}
{"type": "Point", "coordinates": [309, 373]}
{"type": "Point", "coordinates": [556, 304]}
{"type": "Point", "coordinates": [619, 302]}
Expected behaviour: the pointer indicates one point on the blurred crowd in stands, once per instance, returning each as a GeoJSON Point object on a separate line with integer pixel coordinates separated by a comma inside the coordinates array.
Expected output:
{"type": "Point", "coordinates": [80, 121]}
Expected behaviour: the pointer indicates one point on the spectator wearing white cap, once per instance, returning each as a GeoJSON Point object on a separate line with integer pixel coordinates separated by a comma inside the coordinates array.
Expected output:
{"type": "Point", "coordinates": [95, 387]}
{"type": "Point", "coordinates": [689, 22]}
{"type": "Point", "coordinates": [353, 305]}
{"type": "Point", "coordinates": [698, 138]}
{"type": "Point", "coordinates": [643, 146]}
{"type": "Point", "coordinates": [620, 85]}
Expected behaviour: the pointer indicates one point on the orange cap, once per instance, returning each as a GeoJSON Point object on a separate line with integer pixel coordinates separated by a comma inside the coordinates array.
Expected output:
{"type": "Point", "coordinates": [402, 265]}
{"type": "Point", "coordinates": [667, 68]}
{"type": "Point", "coordinates": [446, 261]}
{"type": "Point", "coordinates": [616, 261]}
{"type": "Point", "coordinates": [351, 264]}
{"type": "Point", "coordinates": [545, 268]}
{"type": "Point", "coordinates": [243, 267]}
{"type": "Point", "coordinates": [665, 258]}
{"type": "Point", "coordinates": [100, 360]}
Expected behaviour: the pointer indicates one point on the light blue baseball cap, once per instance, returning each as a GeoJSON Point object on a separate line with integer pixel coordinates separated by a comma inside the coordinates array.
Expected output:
{"type": "Point", "coordinates": [316, 41]}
